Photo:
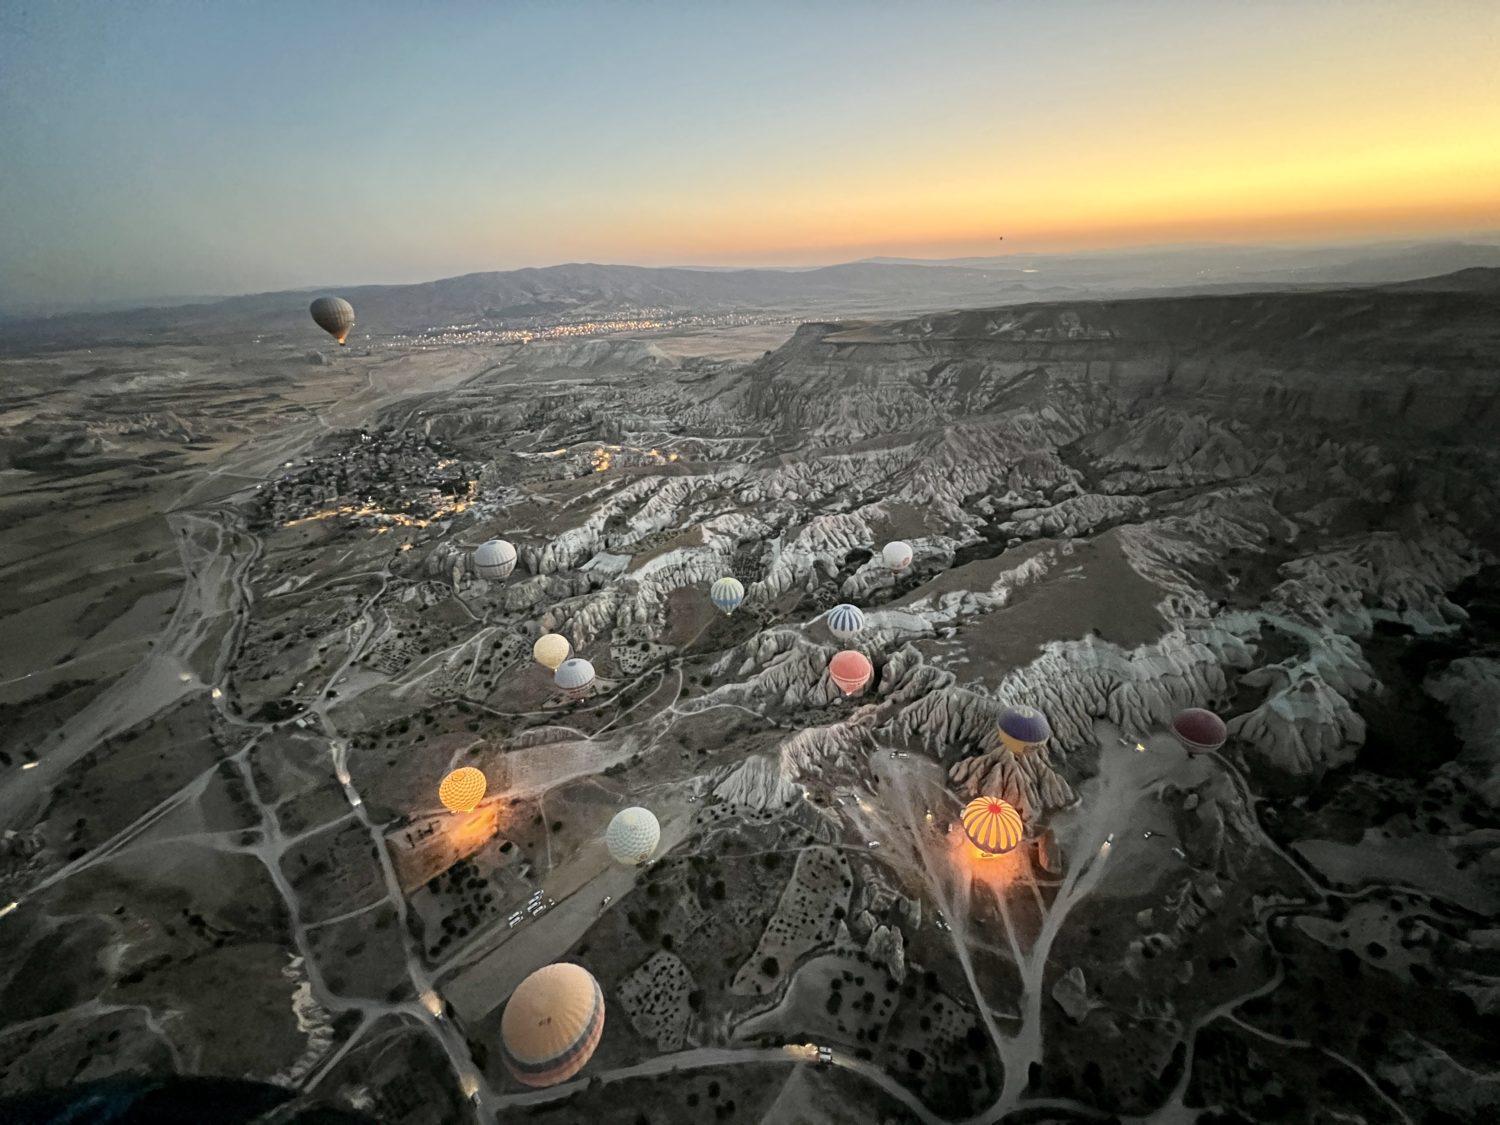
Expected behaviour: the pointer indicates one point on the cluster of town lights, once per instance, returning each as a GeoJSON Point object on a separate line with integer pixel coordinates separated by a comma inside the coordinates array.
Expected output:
{"type": "Point", "coordinates": [443, 508]}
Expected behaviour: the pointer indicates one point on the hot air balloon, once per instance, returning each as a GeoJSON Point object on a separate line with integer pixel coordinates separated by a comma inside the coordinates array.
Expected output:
{"type": "Point", "coordinates": [574, 677]}
{"type": "Point", "coordinates": [1023, 729]}
{"type": "Point", "coordinates": [1199, 731]}
{"type": "Point", "coordinates": [632, 836]}
{"type": "Point", "coordinates": [333, 315]}
{"type": "Point", "coordinates": [494, 559]}
{"type": "Point", "coordinates": [845, 620]}
{"type": "Point", "coordinates": [851, 670]}
{"type": "Point", "coordinates": [552, 1023]}
{"type": "Point", "coordinates": [727, 594]}
{"type": "Point", "coordinates": [550, 650]}
{"type": "Point", "coordinates": [992, 825]}
{"type": "Point", "coordinates": [463, 789]}
{"type": "Point", "coordinates": [897, 554]}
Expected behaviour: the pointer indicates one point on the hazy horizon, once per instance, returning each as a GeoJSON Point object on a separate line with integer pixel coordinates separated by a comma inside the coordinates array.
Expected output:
{"type": "Point", "coordinates": [162, 152]}
{"type": "Point", "coordinates": [1354, 247]}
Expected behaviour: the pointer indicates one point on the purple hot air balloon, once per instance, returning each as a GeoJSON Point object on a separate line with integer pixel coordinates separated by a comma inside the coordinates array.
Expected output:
{"type": "Point", "coordinates": [1022, 728]}
{"type": "Point", "coordinates": [1199, 731]}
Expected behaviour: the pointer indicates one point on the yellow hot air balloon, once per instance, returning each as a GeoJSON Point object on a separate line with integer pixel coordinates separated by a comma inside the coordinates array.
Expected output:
{"type": "Point", "coordinates": [992, 825]}
{"type": "Point", "coordinates": [463, 789]}
{"type": "Point", "coordinates": [550, 650]}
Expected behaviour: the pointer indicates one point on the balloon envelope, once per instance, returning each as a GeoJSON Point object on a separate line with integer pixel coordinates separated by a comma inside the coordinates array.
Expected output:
{"type": "Point", "coordinates": [897, 554]}
{"type": "Point", "coordinates": [463, 789]}
{"type": "Point", "coordinates": [632, 835]}
{"type": "Point", "coordinates": [333, 315]}
{"type": "Point", "coordinates": [845, 620]}
{"type": "Point", "coordinates": [851, 670]}
{"type": "Point", "coordinates": [992, 825]}
{"type": "Point", "coordinates": [574, 676]}
{"type": "Point", "coordinates": [550, 650]}
{"type": "Point", "coordinates": [1023, 729]}
{"type": "Point", "coordinates": [1199, 730]}
{"type": "Point", "coordinates": [494, 559]}
{"type": "Point", "coordinates": [552, 1024]}
{"type": "Point", "coordinates": [727, 594]}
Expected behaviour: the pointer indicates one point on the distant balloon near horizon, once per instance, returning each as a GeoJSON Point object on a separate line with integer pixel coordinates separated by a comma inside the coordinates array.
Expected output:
{"type": "Point", "coordinates": [851, 670]}
{"type": "Point", "coordinates": [845, 620]}
{"type": "Point", "coordinates": [727, 593]}
{"type": "Point", "coordinates": [1199, 730]}
{"type": "Point", "coordinates": [550, 650]}
{"type": "Point", "coordinates": [897, 554]}
{"type": "Point", "coordinates": [494, 559]}
{"type": "Point", "coordinates": [574, 677]}
{"type": "Point", "coordinates": [333, 315]}
{"type": "Point", "coordinates": [632, 836]}
{"type": "Point", "coordinates": [463, 789]}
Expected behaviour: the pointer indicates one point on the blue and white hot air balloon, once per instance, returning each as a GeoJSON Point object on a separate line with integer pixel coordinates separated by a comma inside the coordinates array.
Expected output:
{"type": "Point", "coordinates": [727, 594]}
{"type": "Point", "coordinates": [845, 620]}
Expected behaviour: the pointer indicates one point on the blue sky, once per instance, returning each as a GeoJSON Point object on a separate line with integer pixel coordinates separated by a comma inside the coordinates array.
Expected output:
{"type": "Point", "coordinates": [196, 148]}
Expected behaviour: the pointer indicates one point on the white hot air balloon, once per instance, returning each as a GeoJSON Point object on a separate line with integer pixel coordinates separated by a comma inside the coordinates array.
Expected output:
{"type": "Point", "coordinates": [494, 559]}
{"type": "Point", "coordinates": [632, 836]}
{"type": "Point", "coordinates": [897, 554]}
{"type": "Point", "coordinates": [727, 594]}
{"type": "Point", "coordinates": [845, 620]}
{"type": "Point", "coordinates": [574, 677]}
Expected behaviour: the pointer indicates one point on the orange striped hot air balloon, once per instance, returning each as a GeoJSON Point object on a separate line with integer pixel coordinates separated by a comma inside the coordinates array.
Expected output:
{"type": "Point", "coordinates": [463, 789]}
{"type": "Point", "coordinates": [552, 1023]}
{"type": "Point", "coordinates": [992, 825]}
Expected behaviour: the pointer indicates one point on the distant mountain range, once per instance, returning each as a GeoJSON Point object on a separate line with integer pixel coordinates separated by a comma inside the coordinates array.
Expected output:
{"type": "Point", "coordinates": [517, 298]}
{"type": "Point", "coordinates": [1186, 265]}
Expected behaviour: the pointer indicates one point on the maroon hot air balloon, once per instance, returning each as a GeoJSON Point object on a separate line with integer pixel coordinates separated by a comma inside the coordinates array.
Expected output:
{"type": "Point", "coordinates": [1199, 731]}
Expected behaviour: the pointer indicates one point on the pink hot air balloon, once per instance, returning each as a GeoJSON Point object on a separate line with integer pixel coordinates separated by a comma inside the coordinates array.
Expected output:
{"type": "Point", "coordinates": [1199, 731]}
{"type": "Point", "coordinates": [851, 670]}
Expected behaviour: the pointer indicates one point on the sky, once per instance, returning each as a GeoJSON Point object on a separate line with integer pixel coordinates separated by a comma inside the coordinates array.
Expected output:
{"type": "Point", "coordinates": [198, 148]}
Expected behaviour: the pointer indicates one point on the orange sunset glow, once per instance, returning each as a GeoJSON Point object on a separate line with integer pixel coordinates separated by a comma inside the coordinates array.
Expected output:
{"type": "Point", "coordinates": [759, 135]}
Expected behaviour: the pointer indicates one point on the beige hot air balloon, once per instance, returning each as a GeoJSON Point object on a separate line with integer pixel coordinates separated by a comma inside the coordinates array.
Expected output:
{"type": "Point", "coordinates": [333, 315]}
{"type": "Point", "coordinates": [550, 650]}
{"type": "Point", "coordinates": [552, 1023]}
